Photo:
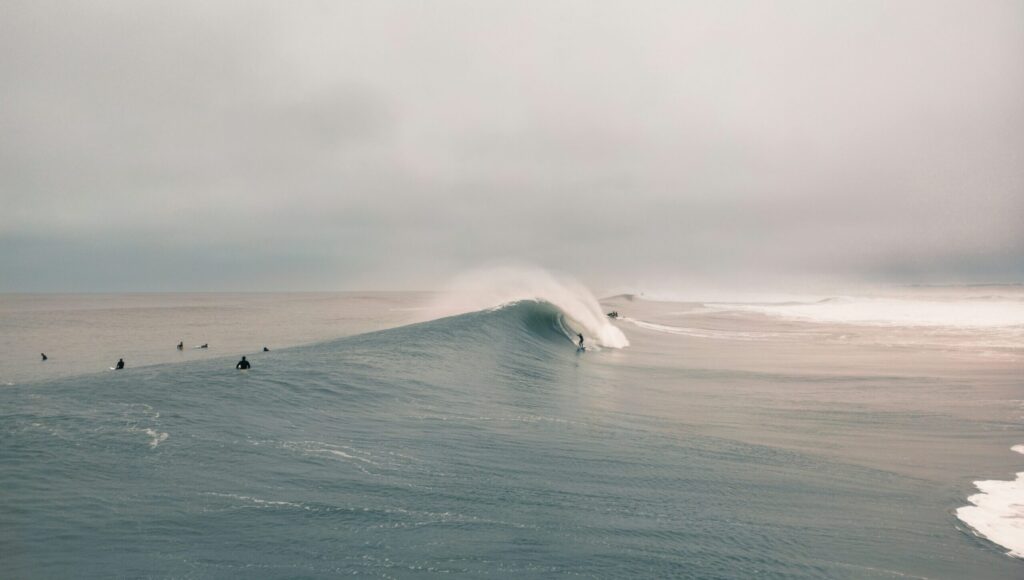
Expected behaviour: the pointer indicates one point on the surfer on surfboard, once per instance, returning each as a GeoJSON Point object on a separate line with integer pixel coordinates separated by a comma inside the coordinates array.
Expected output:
{"type": "Point", "coordinates": [242, 364]}
{"type": "Point", "coordinates": [119, 365]}
{"type": "Point", "coordinates": [580, 345]}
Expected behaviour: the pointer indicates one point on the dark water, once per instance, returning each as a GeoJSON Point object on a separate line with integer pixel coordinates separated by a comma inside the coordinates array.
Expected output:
{"type": "Point", "coordinates": [478, 445]}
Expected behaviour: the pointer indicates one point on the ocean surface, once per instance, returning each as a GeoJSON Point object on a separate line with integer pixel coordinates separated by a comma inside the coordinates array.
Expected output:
{"type": "Point", "coordinates": [85, 333]}
{"type": "Point", "coordinates": [410, 435]}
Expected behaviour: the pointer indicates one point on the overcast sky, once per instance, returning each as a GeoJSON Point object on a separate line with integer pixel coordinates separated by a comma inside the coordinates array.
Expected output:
{"type": "Point", "coordinates": [373, 144]}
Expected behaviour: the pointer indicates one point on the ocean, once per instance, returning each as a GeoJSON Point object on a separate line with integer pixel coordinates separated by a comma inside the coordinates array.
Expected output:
{"type": "Point", "coordinates": [401, 435]}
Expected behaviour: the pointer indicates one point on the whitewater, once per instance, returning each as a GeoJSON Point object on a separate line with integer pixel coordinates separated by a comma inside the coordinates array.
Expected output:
{"type": "Point", "coordinates": [997, 513]}
{"type": "Point", "coordinates": [462, 433]}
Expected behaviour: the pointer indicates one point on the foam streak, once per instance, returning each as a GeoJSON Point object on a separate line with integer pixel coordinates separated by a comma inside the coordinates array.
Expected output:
{"type": "Point", "coordinates": [998, 511]}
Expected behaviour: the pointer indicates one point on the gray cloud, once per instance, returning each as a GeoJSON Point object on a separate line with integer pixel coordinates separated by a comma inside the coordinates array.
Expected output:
{"type": "Point", "coordinates": [312, 145]}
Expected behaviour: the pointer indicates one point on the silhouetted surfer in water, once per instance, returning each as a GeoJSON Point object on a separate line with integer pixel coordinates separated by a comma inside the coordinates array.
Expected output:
{"type": "Point", "coordinates": [242, 364]}
{"type": "Point", "coordinates": [580, 334]}
{"type": "Point", "coordinates": [181, 344]}
{"type": "Point", "coordinates": [120, 364]}
{"type": "Point", "coordinates": [43, 354]}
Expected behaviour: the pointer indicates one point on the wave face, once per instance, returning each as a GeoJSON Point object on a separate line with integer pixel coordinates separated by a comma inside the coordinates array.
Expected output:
{"type": "Point", "coordinates": [997, 513]}
{"type": "Point", "coordinates": [524, 329]}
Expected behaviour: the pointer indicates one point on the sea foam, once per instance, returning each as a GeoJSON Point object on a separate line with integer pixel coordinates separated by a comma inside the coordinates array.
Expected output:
{"type": "Point", "coordinates": [494, 287]}
{"type": "Point", "coordinates": [997, 512]}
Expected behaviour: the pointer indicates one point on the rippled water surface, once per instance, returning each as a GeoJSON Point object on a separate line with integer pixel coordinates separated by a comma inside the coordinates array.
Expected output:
{"type": "Point", "coordinates": [717, 445]}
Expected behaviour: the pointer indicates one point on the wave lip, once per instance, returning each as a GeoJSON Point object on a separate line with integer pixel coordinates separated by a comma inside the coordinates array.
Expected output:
{"type": "Point", "coordinates": [997, 512]}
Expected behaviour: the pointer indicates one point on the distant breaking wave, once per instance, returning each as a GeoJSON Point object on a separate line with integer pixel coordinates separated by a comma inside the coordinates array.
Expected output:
{"type": "Point", "coordinates": [997, 512]}
{"type": "Point", "coordinates": [498, 287]}
{"type": "Point", "coordinates": [892, 312]}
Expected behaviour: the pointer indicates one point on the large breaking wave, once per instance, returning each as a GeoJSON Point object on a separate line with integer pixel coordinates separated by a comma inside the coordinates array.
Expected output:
{"type": "Point", "coordinates": [498, 287]}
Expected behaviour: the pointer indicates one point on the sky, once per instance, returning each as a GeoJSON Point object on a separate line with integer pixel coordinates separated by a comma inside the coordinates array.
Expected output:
{"type": "Point", "coordinates": [176, 146]}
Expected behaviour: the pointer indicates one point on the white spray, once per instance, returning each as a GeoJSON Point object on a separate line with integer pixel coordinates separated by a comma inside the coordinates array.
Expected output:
{"type": "Point", "coordinates": [495, 287]}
